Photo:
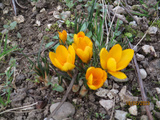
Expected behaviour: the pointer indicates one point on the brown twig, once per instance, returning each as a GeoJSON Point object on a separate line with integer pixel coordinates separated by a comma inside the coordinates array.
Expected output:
{"type": "Point", "coordinates": [14, 7]}
{"type": "Point", "coordinates": [14, 2]}
{"type": "Point", "coordinates": [65, 96]}
{"type": "Point", "coordinates": [144, 98]}
{"type": "Point", "coordinates": [21, 6]}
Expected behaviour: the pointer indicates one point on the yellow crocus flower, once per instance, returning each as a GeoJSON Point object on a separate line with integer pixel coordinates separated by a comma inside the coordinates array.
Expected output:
{"type": "Point", "coordinates": [115, 60]}
{"type": "Point", "coordinates": [83, 47]}
{"type": "Point", "coordinates": [95, 77]}
{"type": "Point", "coordinates": [62, 37]}
{"type": "Point", "coordinates": [63, 59]}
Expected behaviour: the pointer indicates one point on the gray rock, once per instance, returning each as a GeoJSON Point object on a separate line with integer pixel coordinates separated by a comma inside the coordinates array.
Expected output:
{"type": "Point", "coordinates": [107, 104]}
{"type": "Point", "coordinates": [138, 19]}
{"type": "Point", "coordinates": [59, 8]}
{"type": "Point", "coordinates": [119, 10]}
{"type": "Point", "coordinates": [120, 115]}
{"type": "Point", "coordinates": [126, 96]}
{"type": "Point", "coordinates": [143, 73]}
{"type": "Point", "coordinates": [158, 104]}
{"type": "Point", "coordinates": [133, 24]}
{"type": "Point", "coordinates": [1, 6]}
{"type": "Point", "coordinates": [56, 14]}
{"type": "Point", "coordinates": [140, 57]}
{"type": "Point", "coordinates": [133, 110]}
{"type": "Point", "coordinates": [112, 93]}
{"type": "Point", "coordinates": [152, 30]}
{"type": "Point", "coordinates": [19, 18]}
{"type": "Point", "coordinates": [144, 117]}
{"type": "Point", "coordinates": [149, 49]}
{"type": "Point", "coordinates": [67, 109]}
{"type": "Point", "coordinates": [65, 15]}
{"type": "Point", "coordinates": [102, 92]}
{"type": "Point", "coordinates": [158, 90]}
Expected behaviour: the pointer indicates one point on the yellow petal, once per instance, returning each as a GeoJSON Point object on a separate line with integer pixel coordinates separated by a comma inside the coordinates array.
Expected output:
{"type": "Point", "coordinates": [54, 60]}
{"type": "Point", "coordinates": [72, 53]}
{"type": "Point", "coordinates": [68, 66]}
{"type": "Point", "coordinates": [88, 41]}
{"type": "Point", "coordinates": [127, 56]}
{"type": "Point", "coordinates": [111, 64]}
{"type": "Point", "coordinates": [81, 34]}
{"type": "Point", "coordinates": [115, 52]}
{"type": "Point", "coordinates": [119, 75]}
{"type": "Point", "coordinates": [89, 71]}
{"type": "Point", "coordinates": [85, 55]}
{"type": "Point", "coordinates": [103, 58]}
{"type": "Point", "coordinates": [62, 36]}
{"type": "Point", "coordinates": [90, 79]}
{"type": "Point", "coordinates": [75, 38]}
{"type": "Point", "coordinates": [61, 54]}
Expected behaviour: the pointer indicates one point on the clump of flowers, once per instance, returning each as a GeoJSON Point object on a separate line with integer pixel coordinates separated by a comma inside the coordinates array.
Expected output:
{"type": "Point", "coordinates": [111, 62]}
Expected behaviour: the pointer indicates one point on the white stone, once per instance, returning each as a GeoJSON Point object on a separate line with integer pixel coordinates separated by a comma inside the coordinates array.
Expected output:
{"type": "Point", "coordinates": [122, 17]}
{"type": "Point", "coordinates": [34, 9]}
{"type": "Point", "coordinates": [49, 26]}
{"type": "Point", "coordinates": [133, 110]}
{"type": "Point", "coordinates": [19, 18]}
{"type": "Point", "coordinates": [120, 115]}
{"type": "Point", "coordinates": [102, 92]}
{"type": "Point", "coordinates": [56, 14]}
{"type": "Point", "coordinates": [38, 23]}
{"type": "Point", "coordinates": [152, 30]}
{"type": "Point", "coordinates": [147, 49]}
{"type": "Point", "coordinates": [143, 73]}
{"type": "Point", "coordinates": [140, 57]}
{"type": "Point", "coordinates": [158, 90]}
{"type": "Point", "coordinates": [59, 8]}
{"type": "Point", "coordinates": [119, 10]}
{"type": "Point", "coordinates": [158, 104]}
{"type": "Point", "coordinates": [42, 10]}
{"type": "Point", "coordinates": [138, 19]}
{"type": "Point", "coordinates": [112, 93]}
{"type": "Point", "coordinates": [107, 104]}
{"type": "Point", "coordinates": [67, 109]}
{"type": "Point", "coordinates": [133, 24]}
{"type": "Point", "coordinates": [5, 10]}
{"type": "Point", "coordinates": [65, 15]}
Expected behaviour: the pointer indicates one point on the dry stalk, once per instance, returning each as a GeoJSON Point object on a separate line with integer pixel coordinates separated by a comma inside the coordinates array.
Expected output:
{"type": "Point", "coordinates": [111, 27]}
{"type": "Point", "coordinates": [144, 35]}
{"type": "Point", "coordinates": [144, 97]}
{"type": "Point", "coordinates": [18, 108]}
{"type": "Point", "coordinates": [65, 96]}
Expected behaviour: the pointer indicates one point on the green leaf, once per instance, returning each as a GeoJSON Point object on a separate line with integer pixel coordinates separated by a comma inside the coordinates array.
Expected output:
{"type": "Point", "coordinates": [13, 25]}
{"type": "Point", "coordinates": [19, 35]}
{"type": "Point", "coordinates": [49, 44]}
{"type": "Point", "coordinates": [129, 35]}
{"type": "Point", "coordinates": [55, 37]}
{"type": "Point", "coordinates": [89, 34]}
{"type": "Point", "coordinates": [58, 88]}
{"type": "Point", "coordinates": [55, 47]}
{"type": "Point", "coordinates": [84, 27]}
{"type": "Point", "coordinates": [5, 26]}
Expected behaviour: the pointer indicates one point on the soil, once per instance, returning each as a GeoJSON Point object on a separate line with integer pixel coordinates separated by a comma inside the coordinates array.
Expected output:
{"type": "Point", "coordinates": [26, 92]}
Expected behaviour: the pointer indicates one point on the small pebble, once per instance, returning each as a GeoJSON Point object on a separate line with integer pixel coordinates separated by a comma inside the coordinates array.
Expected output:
{"type": "Point", "coordinates": [143, 73]}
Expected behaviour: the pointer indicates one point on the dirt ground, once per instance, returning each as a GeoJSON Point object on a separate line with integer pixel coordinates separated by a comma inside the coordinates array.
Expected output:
{"type": "Point", "coordinates": [27, 92]}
